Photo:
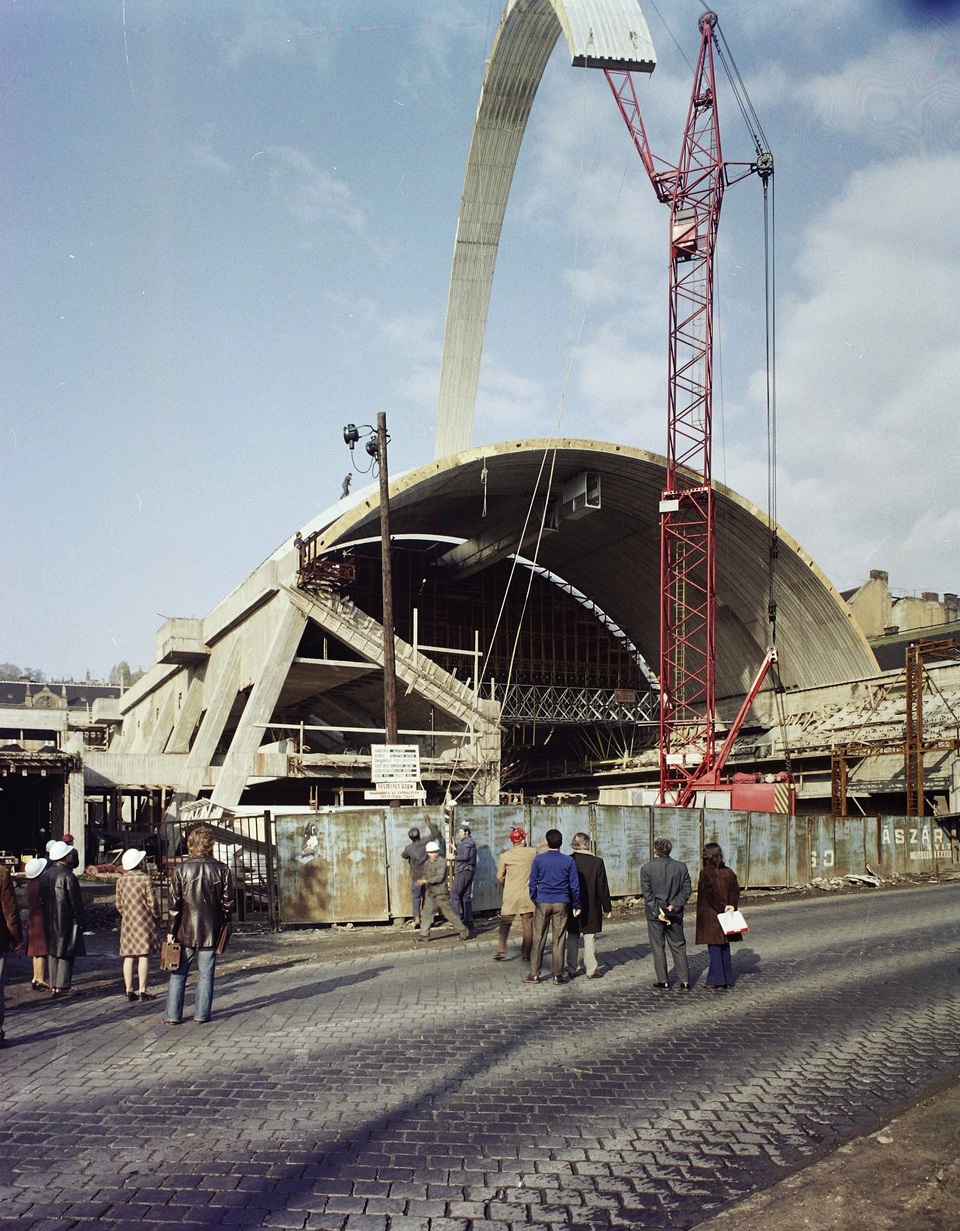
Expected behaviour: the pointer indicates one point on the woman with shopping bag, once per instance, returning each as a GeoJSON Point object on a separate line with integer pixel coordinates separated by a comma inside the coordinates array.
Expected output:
{"type": "Point", "coordinates": [718, 892]}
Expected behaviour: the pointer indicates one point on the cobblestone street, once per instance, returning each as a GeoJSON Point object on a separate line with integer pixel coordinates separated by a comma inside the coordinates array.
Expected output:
{"type": "Point", "coordinates": [429, 1088]}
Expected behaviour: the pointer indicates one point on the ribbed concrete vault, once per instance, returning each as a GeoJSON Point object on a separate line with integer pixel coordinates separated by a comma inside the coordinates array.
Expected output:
{"type": "Point", "coordinates": [612, 554]}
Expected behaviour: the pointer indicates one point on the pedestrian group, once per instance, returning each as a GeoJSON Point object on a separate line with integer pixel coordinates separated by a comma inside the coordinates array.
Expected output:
{"type": "Point", "coordinates": [567, 897]}
{"type": "Point", "coordinates": [563, 897]}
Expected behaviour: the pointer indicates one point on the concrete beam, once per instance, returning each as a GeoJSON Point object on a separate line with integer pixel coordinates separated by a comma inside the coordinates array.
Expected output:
{"type": "Point", "coordinates": [269, 675]}
{"type": "Point", "coordinates": [507, 537]}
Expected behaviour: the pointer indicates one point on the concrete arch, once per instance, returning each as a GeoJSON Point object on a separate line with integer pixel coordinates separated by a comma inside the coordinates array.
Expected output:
{"type": "Point", "coordinates": [600, 34]}
{"type": "Point", "coordinates": [215, 712]}
{"type": "Point", "coordinates": [612, 554]}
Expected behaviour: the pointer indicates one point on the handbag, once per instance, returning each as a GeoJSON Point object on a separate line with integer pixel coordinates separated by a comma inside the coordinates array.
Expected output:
{"type": "Point", "coordinates": [169, 955]}
{"type": "Point", "coordinates": [222, 939]}
{"type": "Point", "coordinates": [732, 922]}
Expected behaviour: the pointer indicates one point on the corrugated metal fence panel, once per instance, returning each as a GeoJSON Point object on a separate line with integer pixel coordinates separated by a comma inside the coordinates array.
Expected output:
{"type": "Point", "coordinates": [684, 828]}
{"type": "Point", "coordinates": [622, 837]}
{"type": "Point", "coordinates": [330, 867]}
{"type": "Point", "coordinates": [836, 846]}
{"type": "Point", "coordinates": [490, 826]}
{"type": "Point", "coordinates": [822, 862]}
{"type": "Point", "coordinates": [568, 818]}
{"type": "Point", "coordinates": [849, 845]}
{"type": "Point", "coordinates": [338, 867]}
{"type": "Point", "coordinates": [768, 847]}
{"type": "Point", "coordinates": [910, 844]}
{"type": "Point", "coordinates": [398, 823]}
{"type": "Point", "coordinates": [799, 857]}
{"type": "Point", "coordinates": [732, 831]}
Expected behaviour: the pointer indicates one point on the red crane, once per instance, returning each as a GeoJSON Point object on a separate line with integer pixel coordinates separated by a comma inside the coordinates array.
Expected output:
{"type": "Point", "coordinates": [693, 189]}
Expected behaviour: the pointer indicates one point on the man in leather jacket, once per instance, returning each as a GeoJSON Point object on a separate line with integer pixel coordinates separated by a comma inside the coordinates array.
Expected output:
{"type": "Point", "coordinates": [201, 903]}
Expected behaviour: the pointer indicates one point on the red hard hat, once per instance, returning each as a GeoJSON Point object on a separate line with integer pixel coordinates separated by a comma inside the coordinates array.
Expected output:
{"type": "Point", "coordinates": [518, 835]}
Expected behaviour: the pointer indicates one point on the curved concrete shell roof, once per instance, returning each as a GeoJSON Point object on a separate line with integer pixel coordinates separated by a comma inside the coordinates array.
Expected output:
{"type": "Point", "coordinates": [599, 34]}
{"type": "Point", "coordinates": [612, 554]}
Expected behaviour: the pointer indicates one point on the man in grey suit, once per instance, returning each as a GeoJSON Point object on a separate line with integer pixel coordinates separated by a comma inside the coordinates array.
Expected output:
{"type": "Point", "coordinates": [665, 884]}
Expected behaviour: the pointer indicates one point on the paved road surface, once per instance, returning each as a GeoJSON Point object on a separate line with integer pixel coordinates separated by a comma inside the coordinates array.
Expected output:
{"type": "Point", "coordinates": [429, 1089]}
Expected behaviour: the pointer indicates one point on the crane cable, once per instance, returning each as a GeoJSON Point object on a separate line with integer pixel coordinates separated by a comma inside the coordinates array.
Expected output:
{"type": "Point", "coordinates": [770, 331]}
{"type": "Point", "coordinates": [764, 167]}
{"type": "Point", "coordinates": [550, 453]}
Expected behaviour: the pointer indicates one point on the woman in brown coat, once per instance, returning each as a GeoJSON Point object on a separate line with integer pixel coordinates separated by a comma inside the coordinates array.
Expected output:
{"type": "Point", "coordinates": [717, 891]}
{"type": "Point", "coordinates": [139, 922]}
{"type": "Point", "coordinates": [36, 937]}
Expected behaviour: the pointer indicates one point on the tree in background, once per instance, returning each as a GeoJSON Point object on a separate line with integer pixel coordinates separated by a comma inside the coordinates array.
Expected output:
{"type": "Point", "coordinates": [123, 675]}
{"type": "Point", "coordinates": [10, 671]}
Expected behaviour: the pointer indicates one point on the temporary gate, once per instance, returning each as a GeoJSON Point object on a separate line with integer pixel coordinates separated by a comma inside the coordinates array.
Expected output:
{"type": "Point", "coordinates": [246, 845]}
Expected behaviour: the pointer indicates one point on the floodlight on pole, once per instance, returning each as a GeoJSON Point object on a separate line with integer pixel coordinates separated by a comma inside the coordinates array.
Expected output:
{"type": "Point", "coordinates": [376, 447]}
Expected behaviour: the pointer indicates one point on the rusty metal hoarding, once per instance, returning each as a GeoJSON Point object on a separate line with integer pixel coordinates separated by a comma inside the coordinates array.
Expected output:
{"type": "Point", "coordinates": [911, 844]}
{"type": "Point", "coordinates": [621, 837]}
{"type": "Point", "coordinates": [331, 867]}
{"type": "Point", "coordinates": [343, 866]}
{"type": "Point", "coordinates": [768, 847]}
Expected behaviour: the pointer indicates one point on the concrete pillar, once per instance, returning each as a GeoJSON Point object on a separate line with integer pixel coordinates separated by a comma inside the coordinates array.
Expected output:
{"type": "Point", "coordinates": [156, 737]}
{"type": "Point", "coordinates": [190, 709]}
{"type": "Point", "coordinates": [75, 815]}
{"type": "Point", "coordinates": [271, 674]}
{"type": "Point", "coordinates": [219, 698]}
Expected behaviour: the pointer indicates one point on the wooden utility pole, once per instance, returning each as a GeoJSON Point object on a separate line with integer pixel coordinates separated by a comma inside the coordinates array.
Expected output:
{"type": "Point", "coordinates": [386, 575]}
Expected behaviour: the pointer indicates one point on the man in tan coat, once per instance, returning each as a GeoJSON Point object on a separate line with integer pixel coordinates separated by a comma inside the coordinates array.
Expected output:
{"type": "Point", "coordinates": [513, 872]}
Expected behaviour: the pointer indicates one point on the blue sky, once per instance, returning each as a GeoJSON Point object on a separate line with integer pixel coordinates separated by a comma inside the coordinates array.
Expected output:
{"type": "Point", "coordinates": [228, 230]}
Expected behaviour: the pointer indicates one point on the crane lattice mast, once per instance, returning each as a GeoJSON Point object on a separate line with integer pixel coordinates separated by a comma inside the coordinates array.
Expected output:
{"type": "Point", "coordinates": [693, 189]}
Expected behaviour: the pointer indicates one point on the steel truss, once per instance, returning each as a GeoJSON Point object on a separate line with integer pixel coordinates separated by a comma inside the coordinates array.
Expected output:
{"type": "Point", "coordinates": [535, 703]}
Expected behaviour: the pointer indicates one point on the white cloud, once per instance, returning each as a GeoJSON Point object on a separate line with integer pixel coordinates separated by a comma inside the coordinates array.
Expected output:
{"type": "Point", "coordinates": [205, 157]}
{"type": "Point", "coordinates": [809, 22]}
{"type": "Point", "coordinates": [510, 407]}
{"type": "Point", "coordinates": [444, 31]}
{"type": "Point", "coordinates": [262, 30]}
{"type": "Point", "coordinates": [623, 390]}
{"type": "Point", "coordinates": [310, 193]}
{"type": "Point", "coordinates": [869, 380]}
{"type": "Point", "coordinates": [902, 96]}
{"type": "Point", "coordinates": [415, 344]}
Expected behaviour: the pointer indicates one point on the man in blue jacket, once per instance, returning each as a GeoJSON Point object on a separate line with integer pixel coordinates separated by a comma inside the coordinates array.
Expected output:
{"type": "Point", "coordinates": [554, 891]}
{"type": "Point", "coordinates": [464, 870]}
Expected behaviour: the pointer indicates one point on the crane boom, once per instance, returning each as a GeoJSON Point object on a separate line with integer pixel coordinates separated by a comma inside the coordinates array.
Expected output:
{"type": "Point", "coordinates": [693, 189]}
